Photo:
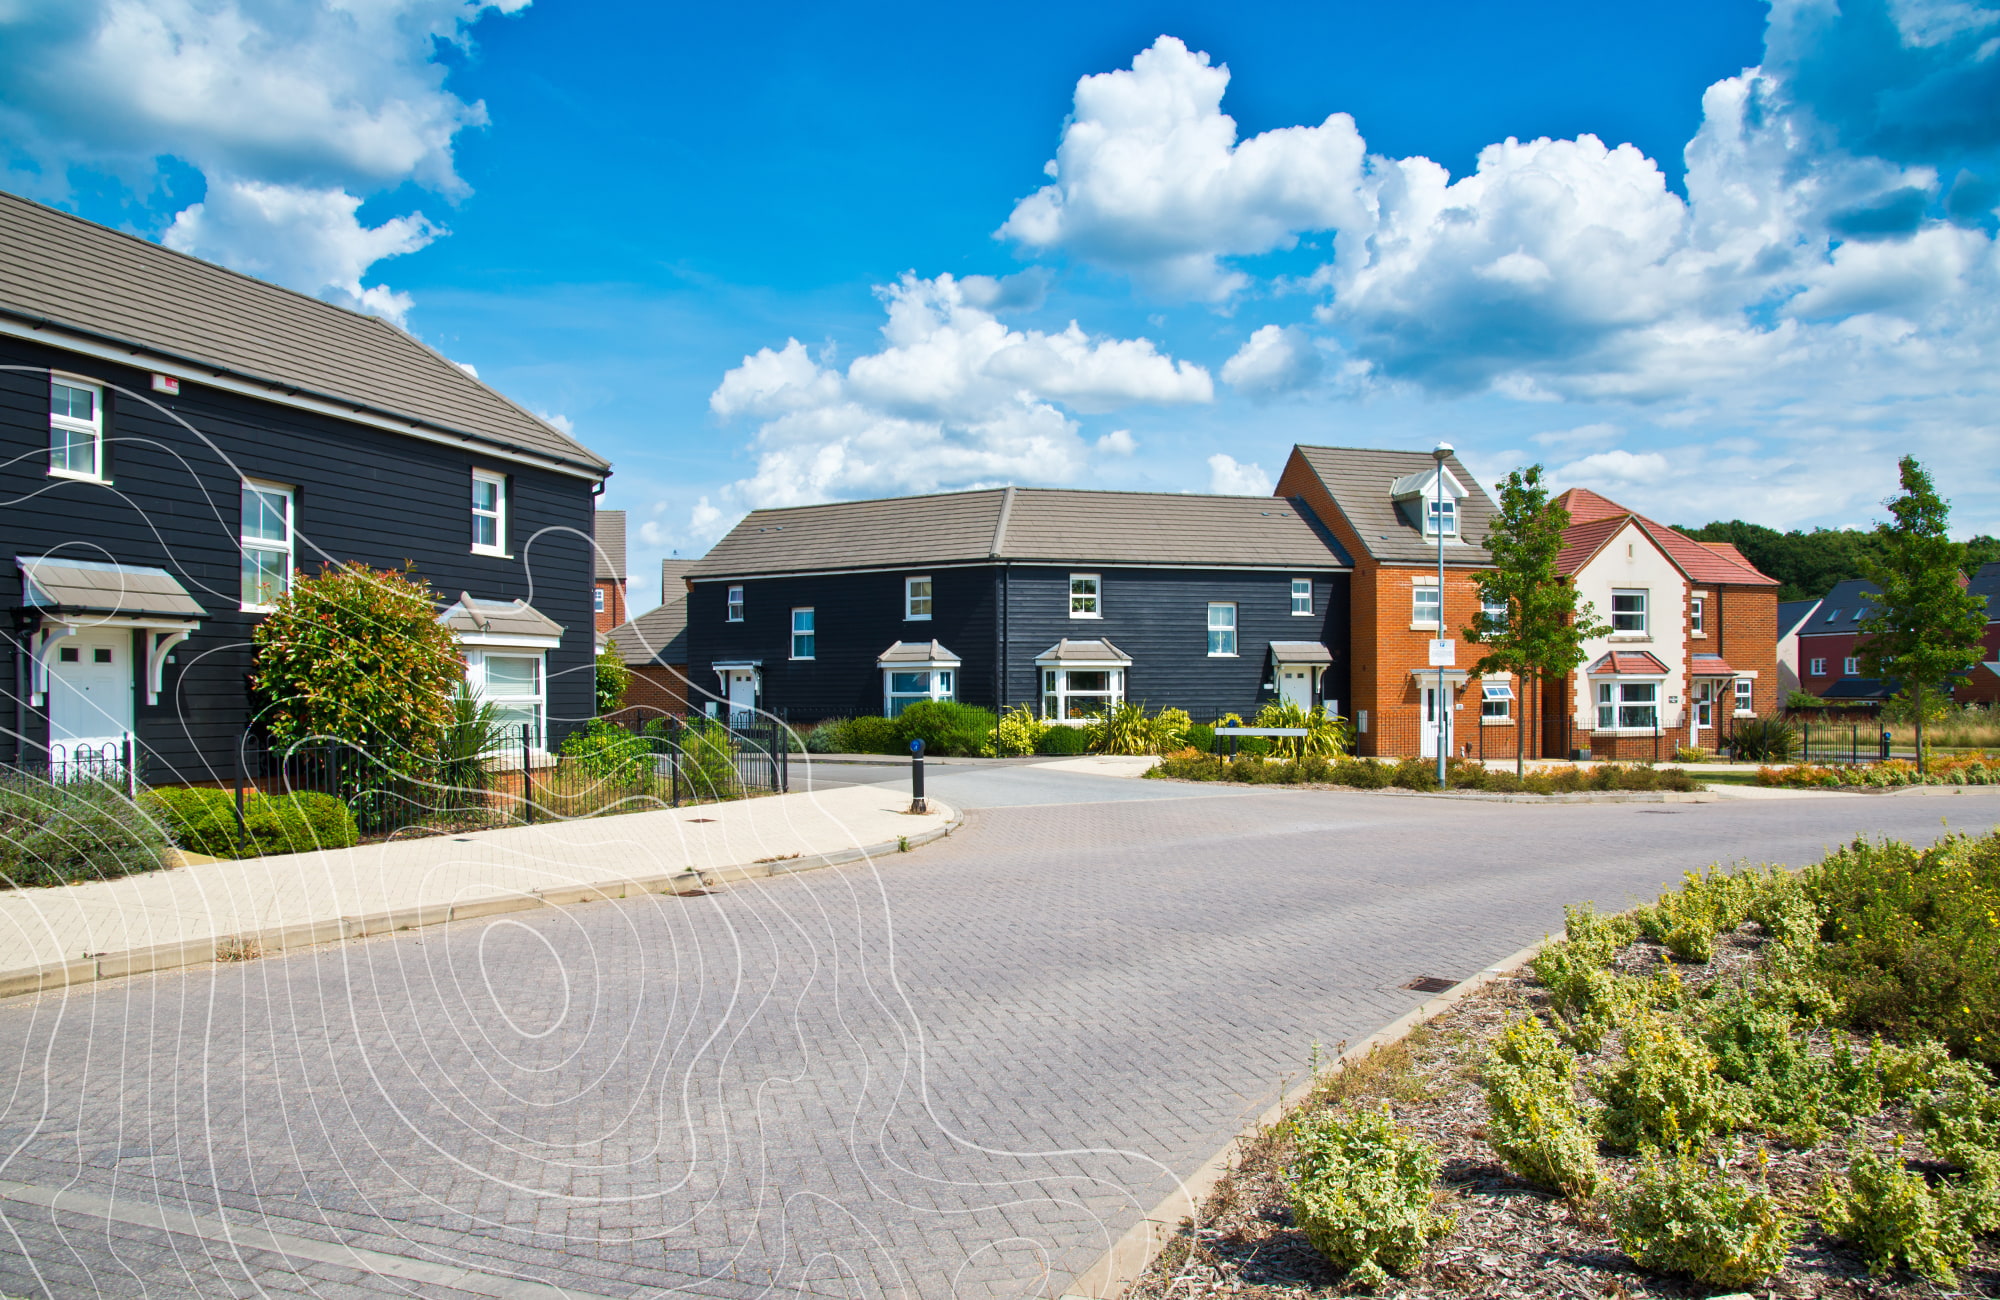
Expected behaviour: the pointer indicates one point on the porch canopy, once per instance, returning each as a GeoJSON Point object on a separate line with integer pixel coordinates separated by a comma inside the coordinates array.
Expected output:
{"type": "Point", "coordinates": [501, 622]}
{"type": "Point", "coordinates": [73, 593]}
{"type": "Point", "coordinates": [916, 655]}
{"type": "Point", "coordinates": [1301, 654]}
{"type": "Point", "coordinates": [1710, 666]}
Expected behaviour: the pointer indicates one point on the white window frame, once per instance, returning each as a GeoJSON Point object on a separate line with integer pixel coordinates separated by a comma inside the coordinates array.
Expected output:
{"type": "Point", "coordinates": [1226, 629]}
{"type": "Point", "coordinates": [1833, 616]}
{"type": "Point", "coordinates": [1644, 614]}
{"type": "Point", "coordinates": [809, 633]}
{"type": "Point", "coordinates": [1087, 603]}
{"type": "Point", "coordinates": [1816, 668]}
{"type": "Point", "coordinates": [939, 684]}
{"type": "Point", "coordinates": [1614, 706]}
{"type": "Point", "coordinates": [536, 703]}
{"type": "Point", "coordinates": [1418, 603]}
{"type": "Point", "coordinates": [732, 604]}
{"type": "Point", "coordinates": [1698, 616]}
{"type": "Point", "coordinates": [1496, 609]}
{"type": "Point", "coordinates": [911, 614]}
{"type": "Point", "coordinates": [497, 514]}
{"type": "Point", "coordinates": [1704, 704]}
{"type": "Point", "coordinates": [1492, 693]}
{"type": "Point", "coordinates": [1745, 697]}
{"type": "Point", "coordinates": [68, 425]}
{"type": "Point", "coordinates": [1851, 666]}
{"type": "Point", "coordinates": [1445, 508]}
{"type": "Point", "coordinates": [1056, 691]}
{"type": "Point", "coordinates": [597, 599]}
{"type": "Point", "coordinates": [247, 545]}
{"type": "Point", "coordinates": [1302, 589]}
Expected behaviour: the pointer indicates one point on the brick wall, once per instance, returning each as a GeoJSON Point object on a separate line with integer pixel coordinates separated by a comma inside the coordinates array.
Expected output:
{"type": "Point", "coordinates": [1749, 639]}
{"type": "Point", "coordinates": [613, 612]}
{"type": "Point", "coordinates": [657, 689]}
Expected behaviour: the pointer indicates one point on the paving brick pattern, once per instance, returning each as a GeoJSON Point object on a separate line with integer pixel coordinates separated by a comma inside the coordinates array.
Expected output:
{"type": "Point", "coordinates": [960, 1073]}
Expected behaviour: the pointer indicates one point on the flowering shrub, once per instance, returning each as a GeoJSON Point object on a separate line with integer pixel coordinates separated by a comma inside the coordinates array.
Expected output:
{"type": "Point", "coordinates": [1361, 1190]}
{"type": "Point", "coordinates": [1688, 919]}
{"type": "Point", "coordinates": [1896, 1219]}
{"type": "Point", "coordinates": [1533, 1120]}
{"type": "Point", "coordinates": [1017, 732]}
{"type": "Point", "coordinates": [1945, 769]}
{"type": "Point", "coordinates": [357, 654]}
{"type": "Point", "coordinates": [1678, 1219]}
{"type": "Point", "coordinates": [1666, 1094]}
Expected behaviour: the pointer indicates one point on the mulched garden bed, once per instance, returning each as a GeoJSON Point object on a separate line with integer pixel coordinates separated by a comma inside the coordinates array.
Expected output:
{"type": "Point", "coordinates": [1513, 1239]}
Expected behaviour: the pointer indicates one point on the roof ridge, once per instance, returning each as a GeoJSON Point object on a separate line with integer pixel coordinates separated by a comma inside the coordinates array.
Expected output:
{"type": "Point", "coordinates": [1000, 523]}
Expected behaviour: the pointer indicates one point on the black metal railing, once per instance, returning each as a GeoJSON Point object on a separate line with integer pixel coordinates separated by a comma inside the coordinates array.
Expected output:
{"type": "Point", "coordinates": [1832, 743]}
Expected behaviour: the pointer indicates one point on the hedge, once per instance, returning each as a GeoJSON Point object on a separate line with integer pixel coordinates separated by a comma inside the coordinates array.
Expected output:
{"type": "Point", "coordinates": [204, 821]}
{"type": "Point", "coordinates": [54, 833]}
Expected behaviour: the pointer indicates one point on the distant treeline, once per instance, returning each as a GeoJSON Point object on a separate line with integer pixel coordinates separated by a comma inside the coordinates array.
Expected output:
{"type": "Point", "coordinates": [1809, 564]}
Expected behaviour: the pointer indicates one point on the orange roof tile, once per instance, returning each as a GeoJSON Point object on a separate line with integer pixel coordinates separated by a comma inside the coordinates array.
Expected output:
{"type": "Point", "coordinates": [1584, 505]}
{"type": "Point", "coordinates": [1581, 541]}
{"type": "Point", "coordinates": [1591, 515]}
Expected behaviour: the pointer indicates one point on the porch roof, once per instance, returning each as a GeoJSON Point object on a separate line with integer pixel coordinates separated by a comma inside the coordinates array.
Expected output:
{"type": "Point", "coordinates": [499, 618]}
{"type": "Point", "coordinates": [1300, 652]}
{"type": "Point", "coordinates": [1626, 663]}
{"type": "Point", "coordinates": [1083, 653]}
{"type": "Point", "coordinates": [916, 654]}
{"type": "Point", "coordinates": [1710, 666]}
{"type": "Point", "coordinates": [98, 587]}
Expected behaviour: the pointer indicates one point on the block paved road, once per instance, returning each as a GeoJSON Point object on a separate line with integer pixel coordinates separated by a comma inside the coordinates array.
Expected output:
{"type": "Point", "coordinates": [959, 1073]}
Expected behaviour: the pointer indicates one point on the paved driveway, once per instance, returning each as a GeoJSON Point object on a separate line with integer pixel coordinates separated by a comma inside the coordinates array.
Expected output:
{"type": "Point", "coordinates": [963, 1072]}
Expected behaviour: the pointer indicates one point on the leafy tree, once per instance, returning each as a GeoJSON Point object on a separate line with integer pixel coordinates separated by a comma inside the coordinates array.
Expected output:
{"type": "Point", "coordinates": [357, 654]}
{"type": "Point", "coordinates": [1808, 564]}
{"type": "Point", "coordinates": [1542, 633]}
{"type": "Point", "coordinates": [1924, 626]}
{"type": "Point", "coordinates": [613, 677]}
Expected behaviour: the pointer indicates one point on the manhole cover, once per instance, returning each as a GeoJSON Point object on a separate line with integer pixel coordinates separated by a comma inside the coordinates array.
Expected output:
{"type": "Point", "coordinates": [701, 819]}
{"type": "Point", "coordinates": [1430, 984]}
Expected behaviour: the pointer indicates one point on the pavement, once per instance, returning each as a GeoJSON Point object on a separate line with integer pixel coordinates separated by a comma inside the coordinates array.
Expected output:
{"type": "Point", "coordinates": [962, 1071]}
{"type": "Point", "coordinates": [99, 920]}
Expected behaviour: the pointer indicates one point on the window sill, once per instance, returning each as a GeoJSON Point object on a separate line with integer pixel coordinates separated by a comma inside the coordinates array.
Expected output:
{"type": "Point", "coordinates": [802, 659]}
{"type": "Point", "coordinates": [497, 555]}
{"type": "Point", "coordinates": [1302, 613]}
{"type": "Point", "coordinates": [1223, 654]}
{"type": "Point", "coordinates": [916, 618]}
{"type": "Point", "coordinates": [1630, 638]}
{"type": "Point", "coordinates": [1698, 636]}
{"type": "Point", "coordinates": [1744, 713]}
{"type": "Point", "coordinates": [77, 477]}
{"type": "Point", "coordinates": [1074, 614]}
{"type": "Point", "coordinates": [257, 609]}
{"type": "Point", "coordinates": [1423, 627]}
{"type": "Point", "coordinates": [1664, 733]}
{"type": "Point", "coordinates": [1496, 722]}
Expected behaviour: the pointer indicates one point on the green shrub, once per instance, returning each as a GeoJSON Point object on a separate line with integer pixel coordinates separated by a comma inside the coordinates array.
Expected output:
{"type": "Point", "coordinates": [704, 754]}
{"type": "Point", "coordinates": [1764, 740]}
{"type": "Point", "coordinates": [1533, 1120]}
{"type": "Point", "coordinates": [1061, 741]}
{"type": "Point", "coordinates": [1687, 920]}
{"type": "Point", "coordinates": [1122, 729]}
{"type": "Point", "coordinates": [1326, 734]}
{"type": "Point", "coordinates": [1790, 1092]}
{"type": "Point", "coordinates": [1169, 730]}
{"type": "Point", "coordinates": [825, 737]}
{"type": "Point", "coordinates": [204, 821]}
{"type": "Point", "coordinates": [55, 832]}
{"type": "Point", "coordinates": [871, 735]}
{"type": "Point", "coordinates": [1189, 766]}
{"type": "Point", "coordinates": [947, 728]}
{"type": "Point", "coordinates": [1018, 732]}
{"type": "Point", "coordinates": [1416, 774]}
{"type": "Point", "coordinates": [1960, 1113]}
{"type": "Point", "coordinates": [605, 751]}
{"type": "Point", "coordinates": [1201, 736]}
{"type": "Point", "coordinates": [1896, 1219]}
{"type": "Point", "coordinates": [1909, 944]}
{"type": "Point", "coordinates": [1364, 774]}
{"type": "Point", "coordinates": [1360, 1189]}
{"type": "Point", "coordinates": [1679, 1219]}
{"type": "Point", "coordinates": [1665, 1093]}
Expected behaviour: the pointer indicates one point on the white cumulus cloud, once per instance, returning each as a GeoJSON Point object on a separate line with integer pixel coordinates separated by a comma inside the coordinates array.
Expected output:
{"type": "Point", "coordinates": [954, 398]}
{"type": "Point", "coordinates": [1230, 477]}
{"type": "Point", "coordinates": [1275, 359]}
{"type": "Point", "coordinates": [1119, 442]}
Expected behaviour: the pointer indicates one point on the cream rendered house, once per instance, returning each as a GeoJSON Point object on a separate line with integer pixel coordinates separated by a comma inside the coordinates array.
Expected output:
{"type": "Point", "coordinates": [1634, 685]}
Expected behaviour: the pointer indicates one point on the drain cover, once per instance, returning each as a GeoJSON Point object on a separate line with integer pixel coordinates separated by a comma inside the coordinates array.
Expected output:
{"type": "Point", "coordinates": [1430, 984]}
{"type": "Point", "coordinates": [701, 819]}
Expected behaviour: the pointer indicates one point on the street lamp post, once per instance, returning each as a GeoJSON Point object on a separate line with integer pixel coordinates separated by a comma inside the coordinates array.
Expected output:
{"type": "Point", "coordinates": [1438, 454]}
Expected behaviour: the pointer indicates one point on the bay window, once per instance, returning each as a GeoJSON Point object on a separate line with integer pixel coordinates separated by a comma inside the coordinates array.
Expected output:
{"type": "Point", "coordinates": [1628, 706]}
{"type": "Point", "coordinates": [514, 684]}
{"type": "Point", "coordinates": [904, 687]}
{"type": "Point", "coordinates": [1069, 693]}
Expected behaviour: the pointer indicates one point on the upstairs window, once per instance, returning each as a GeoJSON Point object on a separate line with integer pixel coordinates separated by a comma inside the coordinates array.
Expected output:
{"type": "Point", "coordinates": [1222, 628]}
{"type": "Point", "coordinates": [734, 605]}
{"type": "Point", "coordinates": [489, 513]}
{"type": "Point", "coordinates": [1817, 668]}
{"type": "Point", "coordinates": [1851, 667]}
{"type": "Point", "coordinates": [1440, 517]}
{"type": "Point", "coordinates": [1698, 616]}
{"type": "Point", "coordinates": [1083, 591]}
{"type": "Point", "coordinates": [597, 601]}
{"type": "Point", "coordinates": [1628, 612]}
{"type": "Point", "coordinates": [1495, 610]}
{"type": "Point", "coordinates": [1425, 602]}
{"type": "Point", "coordinates": [266, 541]}
{"type": "Point", "coordinates": [1302, 595]}
{"type": "Point", "coordinates": [76, 429]}
{"type": "Point", "coordinates": [803, 638]}
{"type": "Point", "coordinates": [916, 599]}
{"type": "Point", "coordinates": [1744, 698]}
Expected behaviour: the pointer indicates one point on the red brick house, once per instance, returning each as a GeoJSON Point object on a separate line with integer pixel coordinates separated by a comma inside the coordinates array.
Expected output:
{"type": "Point", "coordinates": [654, 648]}
{"type": "Point", "coordinates": [1382, 508]}
{"type": "Point", "coordinates": [608, 599]}
{"type": "Point", "coordinates": [1692, 645]}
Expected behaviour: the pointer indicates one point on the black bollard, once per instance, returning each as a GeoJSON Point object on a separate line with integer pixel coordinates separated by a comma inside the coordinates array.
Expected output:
{"type": "Point", "coordinates": [918, 804]}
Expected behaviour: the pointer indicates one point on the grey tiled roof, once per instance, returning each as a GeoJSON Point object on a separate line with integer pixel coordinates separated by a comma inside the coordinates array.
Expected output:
{"type": "Point", "coordinates": [70, 272]}
{"type": "Point", "coordinates": [672, 577]}
{"type": "Point", "coordinates": [1301, 652]}
{"type": "Point", "coordinates": [658, 636]}
{"type": "Point", "coordinates": [610, 530]}
{"type": "Point", "coordinates": [1067, 651]}
{"type": "Point", "coordinates": [1986, 582]}
{"type": "Point", "coordinates": [916, 652]}
{"type": "Point", "coordinates": [1057, 525]}
{"type": "Point", "coordinates": [499, 617]}
{"type": "Point", "coordinates": [1793, 612]}
{"type": "Point", "coordinates": [1360, 479]}
{"type": "Point", "coordinates": [100, 588]}
{"type": "Point", "coordinates": [1837, 609]}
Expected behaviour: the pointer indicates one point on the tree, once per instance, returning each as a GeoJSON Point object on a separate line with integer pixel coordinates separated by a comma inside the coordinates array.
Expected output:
{"type": "Point", "coordinates": [1542, 633]}
{"type": "Point", "coordinates": [357, 654]}
{"type": "Point", "coordinates": [1924, 626]}
{"type": "Point", "coordinates": [613, 677]}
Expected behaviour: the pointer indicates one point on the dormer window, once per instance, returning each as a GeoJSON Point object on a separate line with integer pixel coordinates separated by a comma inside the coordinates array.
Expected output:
{"type": "Point", "coordinates": [1441, 517]}
{"type": "Point", "coordinates": [1428, 500]}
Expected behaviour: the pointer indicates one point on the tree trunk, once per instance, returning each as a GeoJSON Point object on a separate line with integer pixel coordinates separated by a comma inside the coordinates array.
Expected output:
{"type": "Point", "coordinates": [1923, 768]}
{"type": "Point", "coordinates": [1521, 726]}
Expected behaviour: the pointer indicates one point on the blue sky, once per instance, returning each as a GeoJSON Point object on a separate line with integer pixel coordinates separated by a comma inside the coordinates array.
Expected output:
{"type": "Point", "coordinates": [1739, 258]}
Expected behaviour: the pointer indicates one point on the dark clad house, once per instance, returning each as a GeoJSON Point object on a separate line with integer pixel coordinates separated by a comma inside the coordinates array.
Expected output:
{"type": "Point", "coordinates": [180, 439]}
{"type": "Point", "coordinates": [1062, 600]}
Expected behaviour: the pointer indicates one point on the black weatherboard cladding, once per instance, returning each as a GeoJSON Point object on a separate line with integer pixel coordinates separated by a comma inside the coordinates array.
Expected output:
{"type": "Point", "coordinates": [362, 494]}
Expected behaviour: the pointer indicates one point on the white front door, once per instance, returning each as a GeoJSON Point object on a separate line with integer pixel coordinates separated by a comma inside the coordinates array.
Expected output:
{"type": "Point", "coordinates": [1437, 721]}
{"type": "Point", "coordinates": [742, 696]}
{"type": "Point", "coordinates": [1295, 686]}
{"type": "Point", "coordinates": [91, 679]}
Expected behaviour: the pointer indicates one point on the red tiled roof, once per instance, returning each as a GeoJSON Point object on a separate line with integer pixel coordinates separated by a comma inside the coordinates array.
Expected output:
{"type": "Point", "coordinates": [1581, 541]}
{"type": "Point", "coordinates": [1709, 666]}
{"type": "Point", "coordinates": [1621, 663]}
{"type": "Point", "coordinates": [1700, 561]}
